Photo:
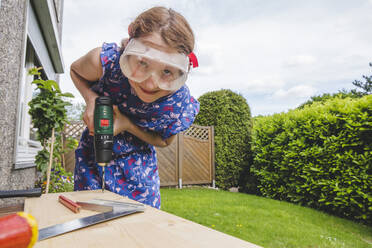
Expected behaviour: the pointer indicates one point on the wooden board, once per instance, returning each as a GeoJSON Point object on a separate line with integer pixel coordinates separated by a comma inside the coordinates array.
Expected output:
{"type": "Point", "coordinates": [153, 228]}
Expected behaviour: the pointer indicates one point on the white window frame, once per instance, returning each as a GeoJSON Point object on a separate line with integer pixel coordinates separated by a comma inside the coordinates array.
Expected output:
{"type": "Point", "coordinates": [26, 147]}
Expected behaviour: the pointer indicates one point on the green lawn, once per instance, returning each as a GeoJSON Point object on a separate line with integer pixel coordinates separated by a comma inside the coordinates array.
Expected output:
{"type": "Point", "coordinates": [262, 221]}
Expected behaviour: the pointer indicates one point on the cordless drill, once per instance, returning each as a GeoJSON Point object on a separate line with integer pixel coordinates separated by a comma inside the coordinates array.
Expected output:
{"type": "Point", "coordinates": [103, 133]}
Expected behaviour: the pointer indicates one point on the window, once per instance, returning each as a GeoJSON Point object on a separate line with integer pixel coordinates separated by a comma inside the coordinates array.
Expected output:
{"type": "Point", "coordinates": [27, 145]}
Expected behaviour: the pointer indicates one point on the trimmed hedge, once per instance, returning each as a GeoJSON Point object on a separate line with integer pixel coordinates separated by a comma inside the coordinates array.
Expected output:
{"type": "Point", "coordinates": [319, 156]}
{"type": "Point", "coordinates": [230, 115]}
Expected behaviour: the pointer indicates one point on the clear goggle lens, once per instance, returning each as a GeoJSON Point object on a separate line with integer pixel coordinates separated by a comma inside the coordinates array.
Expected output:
{"type": "Point", "coordinates": [140, 69]}
{"type": "Point", "coordinates": [140, 62]}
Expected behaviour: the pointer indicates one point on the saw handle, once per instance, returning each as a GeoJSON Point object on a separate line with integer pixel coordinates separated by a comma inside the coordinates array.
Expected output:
{"type": "Point", "coordinates": [21, 193]}
{"type": "Point", "coordinates": [18, 230]}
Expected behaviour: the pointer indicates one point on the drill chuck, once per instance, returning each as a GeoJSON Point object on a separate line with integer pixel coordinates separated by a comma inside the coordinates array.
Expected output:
{"type": "Point", "coordinates": [103, 130]}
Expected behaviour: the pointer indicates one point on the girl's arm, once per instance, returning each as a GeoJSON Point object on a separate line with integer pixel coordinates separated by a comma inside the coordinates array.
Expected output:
{"type": "Point", "coordinates": [123, 123]}
{"type": "Point", "coordinates": [84, 70]}
{"type": "Point", "coordinates": [150, 137]}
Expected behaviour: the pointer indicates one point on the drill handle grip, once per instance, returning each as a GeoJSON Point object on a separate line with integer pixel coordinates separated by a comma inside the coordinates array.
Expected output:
{"type": "Point", "coordinates": [21, 193]}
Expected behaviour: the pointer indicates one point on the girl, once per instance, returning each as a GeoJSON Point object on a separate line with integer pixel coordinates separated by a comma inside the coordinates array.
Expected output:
{"type": "Point", "coordinates": [146, 82]}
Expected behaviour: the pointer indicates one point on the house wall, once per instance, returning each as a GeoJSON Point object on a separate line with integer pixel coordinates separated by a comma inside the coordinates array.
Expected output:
{"type": "Point", "coordinates": [12, 38]}
{"type": "Point", "coordinates": [13, 21]}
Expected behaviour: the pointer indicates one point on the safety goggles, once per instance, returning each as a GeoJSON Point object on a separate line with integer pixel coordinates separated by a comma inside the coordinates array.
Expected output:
{"type": "Point", "coordinates": [140, 62]}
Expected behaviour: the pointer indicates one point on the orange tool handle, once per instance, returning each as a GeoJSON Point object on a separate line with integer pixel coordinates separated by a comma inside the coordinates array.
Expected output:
{"type": "Point", "coordinates": [69, 204]}
{"type": "Point", "coordinates": [18, 230]}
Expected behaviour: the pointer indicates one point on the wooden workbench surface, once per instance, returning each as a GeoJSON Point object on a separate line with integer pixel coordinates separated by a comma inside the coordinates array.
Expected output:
{"type": "Point", "coordinates": [151, 229]}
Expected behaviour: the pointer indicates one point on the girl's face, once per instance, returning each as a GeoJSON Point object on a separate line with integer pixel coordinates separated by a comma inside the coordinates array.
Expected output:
{"type": "Point", "coordinates": [148, 91]}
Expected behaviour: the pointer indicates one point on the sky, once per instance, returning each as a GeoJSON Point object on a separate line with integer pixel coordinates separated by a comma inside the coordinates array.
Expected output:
{"type": "Point", "coordinates": [275, 53]}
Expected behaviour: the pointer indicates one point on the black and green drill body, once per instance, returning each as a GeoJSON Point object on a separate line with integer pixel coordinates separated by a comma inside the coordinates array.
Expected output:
{"type": "Point", "coordinates": [103, 130]}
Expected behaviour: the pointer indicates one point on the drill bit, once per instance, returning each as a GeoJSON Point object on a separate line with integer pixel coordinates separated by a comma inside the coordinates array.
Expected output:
{"type": "Point", "coordinates": [103, 175]}
{"type": "Point", "coordinates": [103, 179]}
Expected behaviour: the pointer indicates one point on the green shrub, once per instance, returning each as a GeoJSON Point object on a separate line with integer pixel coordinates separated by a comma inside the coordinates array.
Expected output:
{"type": "Point", "coordinates": [320, 156]}
{"type": "Point", "coordinates": [328, 96]}
{"type": "Point", "coordinates": [230, 115]}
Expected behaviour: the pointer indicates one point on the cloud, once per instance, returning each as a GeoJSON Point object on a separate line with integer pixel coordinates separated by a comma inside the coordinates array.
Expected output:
{"type": "Point", "coordinates": [301, 60]}
{"type": "Point", "coordinates": [300, 91]}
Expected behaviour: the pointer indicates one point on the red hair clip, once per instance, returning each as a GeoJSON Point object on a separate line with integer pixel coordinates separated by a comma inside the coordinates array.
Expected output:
{"type": "Point", "coordinates": [193, 60]}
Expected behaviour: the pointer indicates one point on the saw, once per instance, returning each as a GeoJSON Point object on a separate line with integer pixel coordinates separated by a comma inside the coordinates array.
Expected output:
{"type": "Point", "coordinates": [109, 210]}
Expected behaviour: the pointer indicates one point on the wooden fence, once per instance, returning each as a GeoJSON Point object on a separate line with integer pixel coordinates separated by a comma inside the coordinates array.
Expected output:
{"type": "Point", "coordinates": [188, 160]}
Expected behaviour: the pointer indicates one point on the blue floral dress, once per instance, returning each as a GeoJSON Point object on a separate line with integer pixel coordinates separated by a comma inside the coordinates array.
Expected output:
{"type": "Point", "coordinates": [133, 172]}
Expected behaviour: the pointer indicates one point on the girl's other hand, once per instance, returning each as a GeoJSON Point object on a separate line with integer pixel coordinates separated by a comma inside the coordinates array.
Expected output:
{"type": "Point", "coordinates": [88, 116]}
{"type": "Point", "coordinates": [121, 122]}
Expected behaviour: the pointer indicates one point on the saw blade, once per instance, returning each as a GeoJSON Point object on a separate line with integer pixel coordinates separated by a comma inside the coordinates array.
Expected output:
{"type": "Point", "coordinates": [73, 225]}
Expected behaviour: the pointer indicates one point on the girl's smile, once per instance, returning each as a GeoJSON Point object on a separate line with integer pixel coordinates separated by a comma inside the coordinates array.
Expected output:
{"type": "Point", "coordinates": [148, 92]}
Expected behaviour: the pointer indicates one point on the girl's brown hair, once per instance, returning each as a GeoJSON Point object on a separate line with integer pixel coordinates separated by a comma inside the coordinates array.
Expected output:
{"type": "Point", "coordinates": [172, 27]}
